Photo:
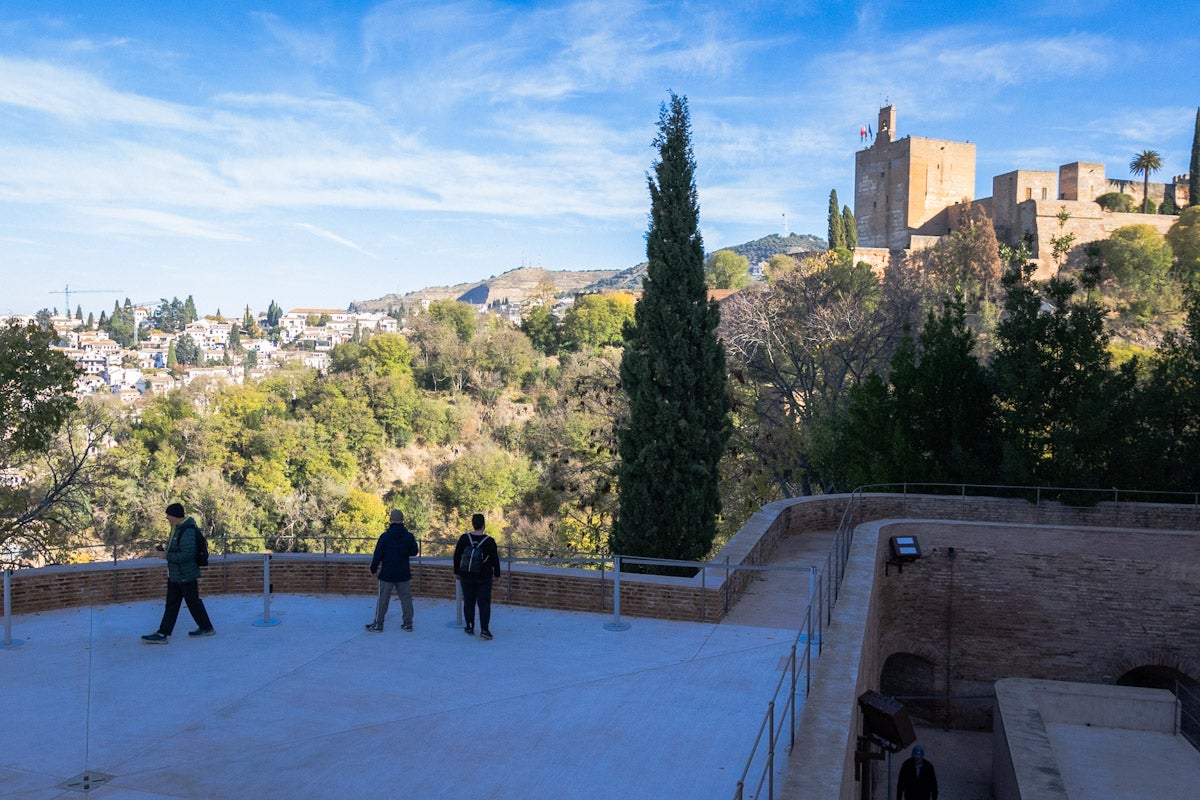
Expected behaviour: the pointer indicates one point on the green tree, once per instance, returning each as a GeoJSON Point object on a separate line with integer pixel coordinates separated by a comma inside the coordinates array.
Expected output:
{"type": "Point", "coordinates": [673, 371]}
{"type": "Point", "coordinates": [1184, 238]}
{"type": "Point", "coordinates": [1061, 406]}
{"type": "Point", "coordinates": [37, 385]}
{"type": "Point", "coordinates": [929, 422]}
{"type": "Point", "coordinates": [1166, 451]}
{"type": "Point", "coordinates": [849, 229]}
{"type": "Point", "coordinates": [572, 441]}
{"type": "Point", "coordinates": [169, 316]}
{"type": "Point", "coordinates": [485, 480]}
{"type": "Point", "coordinates": [1138, 259]}
{"type": "Point", "coordinates": [540, 325]}
{"type": "Point", "coordinates": [461, 316]}
{"type": "Point", "coordinates": [725, 269]}
{"type": "Point", "coordinates": [359, 517]}
{"type": "Point", "coordinates": [189, 314]}
{"type": "Point", "coordinates": [389, 354]}
{"type": "Point", "coordinates": [1115, 201]}
{"type": "Point", "coordinates": [943, 401]}
{"type": "Point", "coordinates": [836, 228]}
{"type": "Point", "coordinates": [504, 353]}
{"type": "Point", "coordinates": [1194, 166]}
{"type": "Point", "coordinates": [779, 264]}
{"type": "Point", "coordinates": [1144, 163]}
{"type": "Point", "coordinates": [597, 320]}
{"type": "Point", "coordinates": [186, 350]}
{"type": "Point", "coordinates": [50, 438]}
{"type": "Point", "coordinates": [120, 324]}
{"type": "Point", "coordinates": [801, 343]}
{"type": "Point", "coordinates": [442, 360]}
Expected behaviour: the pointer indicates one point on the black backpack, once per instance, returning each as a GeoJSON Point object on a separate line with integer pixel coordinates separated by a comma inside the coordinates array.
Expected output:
{"type": "Point", "coordinates": [471, 562]}
{"type": "Point", "coordinates": [201, 549]}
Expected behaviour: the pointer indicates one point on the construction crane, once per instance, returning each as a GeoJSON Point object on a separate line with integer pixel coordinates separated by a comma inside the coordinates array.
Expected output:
{"type": "Point", "coordinates": [67, 291]}
{"type": "Point", "coordinates": [135, 306]}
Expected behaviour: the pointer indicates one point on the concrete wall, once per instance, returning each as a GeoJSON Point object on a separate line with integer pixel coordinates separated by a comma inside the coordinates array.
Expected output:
{"type": "Point", "coordinates": [1023, 761]}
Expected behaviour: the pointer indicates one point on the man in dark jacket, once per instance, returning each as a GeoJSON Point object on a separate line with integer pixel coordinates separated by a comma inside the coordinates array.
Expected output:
{"type": "Point", "coordinates": [476, 562]}
{"type": "Point", "coordinates": [183, 574]}
{"type": "Point", "coordinates": [392, 552]}
{"type": "Point", "coordinates": [917, 779]}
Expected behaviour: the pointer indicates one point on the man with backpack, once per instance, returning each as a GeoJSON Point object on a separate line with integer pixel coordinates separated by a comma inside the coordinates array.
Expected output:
{"type": "Point", "coordinates": [392, 552]}
{"type": "Point", "coordinates": [476, 562]}
{"type": "Point", "coordinates": [186, 550]}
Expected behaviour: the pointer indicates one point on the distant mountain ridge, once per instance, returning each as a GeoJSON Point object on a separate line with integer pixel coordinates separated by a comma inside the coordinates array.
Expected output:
{"type": "Point", "coordinates": [519, 284]}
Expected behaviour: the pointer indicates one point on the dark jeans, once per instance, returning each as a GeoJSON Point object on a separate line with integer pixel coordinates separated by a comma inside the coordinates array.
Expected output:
{"type": "Point", "coordinates": [477, 592]}
{"type": "Point", "coordinates": [176, 593]}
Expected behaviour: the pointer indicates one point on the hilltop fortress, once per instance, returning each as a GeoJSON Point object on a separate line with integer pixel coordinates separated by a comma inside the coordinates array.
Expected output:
{"type": "Point", "coordinates": [906, 191]}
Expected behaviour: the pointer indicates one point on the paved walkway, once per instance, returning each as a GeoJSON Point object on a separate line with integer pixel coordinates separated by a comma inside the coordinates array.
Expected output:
{"type": "Point", "coordinates": [555, 707]}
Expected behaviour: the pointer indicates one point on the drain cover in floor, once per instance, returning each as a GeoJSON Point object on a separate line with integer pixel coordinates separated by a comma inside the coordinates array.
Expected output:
{"type": "Point", "coordinates": [85, 781]}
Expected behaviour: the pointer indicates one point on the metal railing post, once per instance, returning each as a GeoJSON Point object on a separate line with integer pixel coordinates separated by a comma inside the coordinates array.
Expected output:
{"type": "Point", "coordinates": [616, 624]}
{"type": "Point", "coordinates": [8, 643]}
{"type": "Point", "coordinates": [266, 621]}
{"type": "Point", "coordinates": [792, 704]}
{"type": "Point", "coordinates": [459, 620]}
{"type": "Point", "coordinates": [771, 749]}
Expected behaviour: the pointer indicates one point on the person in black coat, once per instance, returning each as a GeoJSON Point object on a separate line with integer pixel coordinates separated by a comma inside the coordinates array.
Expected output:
{"type": "Point", "coordinates": [917, 780]}
{"type": "Point", "coordinates": [390, 561]}
{"type": "Point", "coordinates": [476, 563]}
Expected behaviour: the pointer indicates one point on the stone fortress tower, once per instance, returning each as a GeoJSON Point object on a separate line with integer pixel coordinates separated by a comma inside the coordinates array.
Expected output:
{"type": "Point", "coordinates": [903, 187]}
{"type": "Point", "coordinates": [904, 190]}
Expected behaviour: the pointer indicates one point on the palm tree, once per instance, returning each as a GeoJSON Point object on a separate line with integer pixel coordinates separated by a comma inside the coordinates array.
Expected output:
{"type": "Point", "coordinates": [1143, 164]}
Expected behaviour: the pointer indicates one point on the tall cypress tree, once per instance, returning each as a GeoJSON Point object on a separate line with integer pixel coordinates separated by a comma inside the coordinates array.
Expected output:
{"type": "Point", "coordinates": [837, 231]}
{"type": "Point", "coordinates": [1194, 168]}
{"type": "Point", "coordinates": [848, 227]}
{"type": "Point", "coordinates": [673, 371]}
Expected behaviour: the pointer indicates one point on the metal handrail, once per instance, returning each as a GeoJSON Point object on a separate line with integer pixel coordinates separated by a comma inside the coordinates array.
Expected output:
{"type": "Point", "coordinates": [835, 563]}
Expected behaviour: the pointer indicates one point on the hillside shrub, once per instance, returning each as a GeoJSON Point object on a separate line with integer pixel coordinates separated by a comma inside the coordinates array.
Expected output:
{"type": "Point", "coordinates": [1115, 201]}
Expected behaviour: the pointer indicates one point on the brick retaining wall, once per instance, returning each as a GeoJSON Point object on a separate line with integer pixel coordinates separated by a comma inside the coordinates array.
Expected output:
{"type": "Point", "coordinates": [574, 589]}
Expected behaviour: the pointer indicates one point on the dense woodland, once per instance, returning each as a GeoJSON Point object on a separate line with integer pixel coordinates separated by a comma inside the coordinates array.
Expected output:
{"type": "Point", "coordinates": [956, 368]}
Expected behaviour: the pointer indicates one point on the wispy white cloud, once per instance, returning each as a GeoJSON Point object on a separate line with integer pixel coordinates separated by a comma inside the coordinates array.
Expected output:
{"type": "Point", "coordinates": [73, 95]}
{"type": "Point", "coordinates": [333, 237]}
{"type": "Point", "coordinates": [385, 125]}
{"type": "Point", "coordinates": [145, 221]}
{"type": "Point", "coordinates": [87, 45]}
{"type": "Point", "coordinates": [308, 46]}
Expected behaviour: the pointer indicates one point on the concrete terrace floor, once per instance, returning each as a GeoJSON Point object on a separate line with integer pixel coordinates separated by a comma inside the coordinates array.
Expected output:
{"type": "Point", "coordinates": [555, 707]}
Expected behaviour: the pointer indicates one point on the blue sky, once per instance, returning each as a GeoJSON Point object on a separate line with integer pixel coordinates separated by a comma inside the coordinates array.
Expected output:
{"type": "Point", "coordinates": [318, 152]}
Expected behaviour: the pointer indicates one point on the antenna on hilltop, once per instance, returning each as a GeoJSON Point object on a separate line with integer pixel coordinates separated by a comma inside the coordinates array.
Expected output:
{"type": "Point", "coordinates": [785, 228]}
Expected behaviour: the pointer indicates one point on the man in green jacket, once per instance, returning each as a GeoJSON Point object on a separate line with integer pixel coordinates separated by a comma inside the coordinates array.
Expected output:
{"type": "Point", "coordinates": [183, 574]}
